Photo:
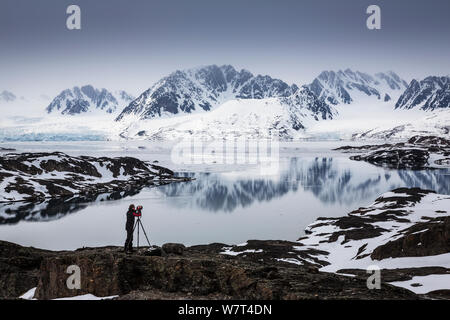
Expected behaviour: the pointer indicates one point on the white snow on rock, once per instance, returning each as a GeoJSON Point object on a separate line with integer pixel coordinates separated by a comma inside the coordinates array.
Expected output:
{"type": "Point", "coordinates": [36, 176]}
{"type": "Point", "coordinates": [407, 123]}
{"type": "Point", "coordinates": [347, 251]}
{"type": "Point", "coordinates": [29, 295]}
{"type": "Point", "coordinates": [249, 118]}
{"type": "Point", "coordinates": [87, 297]}
{"type": "Point", "coordinates": [425, 284]}
{"type": "Point", "coordinates": [230, 252]}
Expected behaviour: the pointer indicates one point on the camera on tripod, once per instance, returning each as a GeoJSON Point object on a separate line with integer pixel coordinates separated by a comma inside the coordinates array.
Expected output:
{"type": "Point", "coordinates": [138, 224]}
{"type": "Point", "coordinates": [138, 211]}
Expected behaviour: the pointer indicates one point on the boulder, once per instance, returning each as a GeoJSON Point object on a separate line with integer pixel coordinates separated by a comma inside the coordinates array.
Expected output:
{"type": "Point", "coordinates": [173, 248]}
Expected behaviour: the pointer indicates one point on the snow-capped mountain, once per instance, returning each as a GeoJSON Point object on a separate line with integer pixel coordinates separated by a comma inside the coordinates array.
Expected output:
{"type": "Point", "coordinates": [429, 94]}
{"type": "Point", "coordinates": [250, 118]}
{"type": "Point", "coordinates": [343, 86]}
{"type": "Point", "coordinates": [88, 99]}
{"type": "Point", "coordinates": [203, 89]}
{"type": "Point", "coordinates": [435, 123]}
{"type": "Point", "coordinates": [7, 96]}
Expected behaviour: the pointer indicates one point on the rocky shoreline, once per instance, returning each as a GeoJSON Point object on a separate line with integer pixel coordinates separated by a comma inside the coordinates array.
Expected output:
{"type": "Point", "coordinates": [406, 233]}
{"type": "Point", "coordinates": [36, 177]}
{"type": "Point", "coordinates": [419, 152]}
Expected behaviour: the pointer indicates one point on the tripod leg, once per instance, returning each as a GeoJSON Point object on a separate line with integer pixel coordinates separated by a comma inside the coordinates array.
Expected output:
{"type": "Point", "coordinates": [138, 233]}
{"type": "Point", "coordinates": [145, 233]}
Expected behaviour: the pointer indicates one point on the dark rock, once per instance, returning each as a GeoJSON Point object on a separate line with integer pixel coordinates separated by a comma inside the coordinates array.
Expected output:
{"type": "Point", "coordinates": [173, 248]}
{"type": "Point", "coordinates": [414, 154]}
{"type": "Point", "coordinates": [439, 294]}
{"type": "Point", "coordinates": [422, 239]}
{"type": "Point", "coordinates": [430, 93]}
{"type": "Point", "coordinates": [201, 273]}
{"type": "Point", "coordinates": [19, 268]}
{"type": "Point", "coordinates": [80, 176]}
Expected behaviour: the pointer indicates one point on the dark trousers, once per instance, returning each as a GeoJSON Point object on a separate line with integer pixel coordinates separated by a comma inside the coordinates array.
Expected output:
{"type": "Point", "coordinates": [129, 241]}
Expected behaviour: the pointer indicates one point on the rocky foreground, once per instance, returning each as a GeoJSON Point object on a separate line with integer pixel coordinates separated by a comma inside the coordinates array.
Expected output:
{"type": "Point", "coordinates": [405, 233]}
{"type": "Point", "coordinates": [419, 152]}
{"type": "Point", "coordinates": [35, 177]}
{"type": "Point", "coordinates": [175, 272]}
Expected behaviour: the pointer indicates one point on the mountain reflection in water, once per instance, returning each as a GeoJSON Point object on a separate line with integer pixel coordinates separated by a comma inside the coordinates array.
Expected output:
{"type": "Point", "coordinates": [334, 181]}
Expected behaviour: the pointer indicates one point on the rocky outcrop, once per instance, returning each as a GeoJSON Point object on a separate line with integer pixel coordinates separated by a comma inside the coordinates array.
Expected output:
{"type": "Point", "coordinates": [419, 152]}
{"type": "Point", "coordinates": [19, 268]}
{"type": "Point", "coordinates": [404, 223]}
{"type": "Point", "coordinates": [39, 176]}
{"type": "Point", "coordinates": [422, 239]}
{"type": "Point", "coordinates": [200, 272]}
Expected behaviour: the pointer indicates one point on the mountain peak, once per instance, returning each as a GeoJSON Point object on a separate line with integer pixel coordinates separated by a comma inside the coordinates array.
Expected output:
{"type": "Point", "coordinates": [431, 93]}
{"type": "Point", "coordinates": [202, 89]}
{"type": "Point", "coordinates": [341, 86]}
{"type": "Point", "coordinates": [87, 98]}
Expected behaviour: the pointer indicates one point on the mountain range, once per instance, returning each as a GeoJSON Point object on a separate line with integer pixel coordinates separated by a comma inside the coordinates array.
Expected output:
{"type": "Point", "coordinates": [341, 86]}
{"type": "Point", "coordinates": [203, 89]}
{"type": "Point", "coordinates": [220, 100]}
{"type": "Point", "coordinates": [88, 99]}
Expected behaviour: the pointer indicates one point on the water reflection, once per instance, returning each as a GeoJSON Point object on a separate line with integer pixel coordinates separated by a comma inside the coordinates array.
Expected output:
{"type": "Point", "coordinates": [11, 213]}
{"type": "Point", "coordinates": [331, 181]}
{"type": "Point", "coordinates": [334, 181]}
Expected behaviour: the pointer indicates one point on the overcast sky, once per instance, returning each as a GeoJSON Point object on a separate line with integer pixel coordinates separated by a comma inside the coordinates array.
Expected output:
{"type": "Point", "coordinates": [130, 44]}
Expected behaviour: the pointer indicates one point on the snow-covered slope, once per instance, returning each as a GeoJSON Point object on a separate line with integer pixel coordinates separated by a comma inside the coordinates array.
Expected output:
{"type": "Point", "coordinates": [343, 86]}
{"type": "Point", "coordinates": [429, 94]}
{"type": "Point", "coordinates": [88, 99]}
{"type": "Point", "coordinates": [422, 109]}
{"type": "Point", "coordinates": [362, 102]}
{"type": "Point", "coordinates": [435, 123]}
{"type": "Point", "coordinates": [206, 88]}
{"type": "Point", "coordinates": [403, 229]}
{"type": "Point", "coordinates": [250, 118]}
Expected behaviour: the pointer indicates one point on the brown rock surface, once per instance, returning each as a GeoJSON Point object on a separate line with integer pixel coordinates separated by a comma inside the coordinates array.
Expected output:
{"type": "Point", "coordinates": [202, 272]}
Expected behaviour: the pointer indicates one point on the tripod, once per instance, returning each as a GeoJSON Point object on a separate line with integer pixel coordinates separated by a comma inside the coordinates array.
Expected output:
{"type": "Point", "coordinates": [139, 225]}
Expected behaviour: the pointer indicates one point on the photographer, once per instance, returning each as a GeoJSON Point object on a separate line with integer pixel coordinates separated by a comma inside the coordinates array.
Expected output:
{"type": "Point", "coordinates": [131, 213]}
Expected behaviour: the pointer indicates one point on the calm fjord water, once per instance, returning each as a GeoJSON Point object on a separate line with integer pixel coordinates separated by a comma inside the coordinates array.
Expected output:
{"type": "Point", "coordinates": [225, 203]}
